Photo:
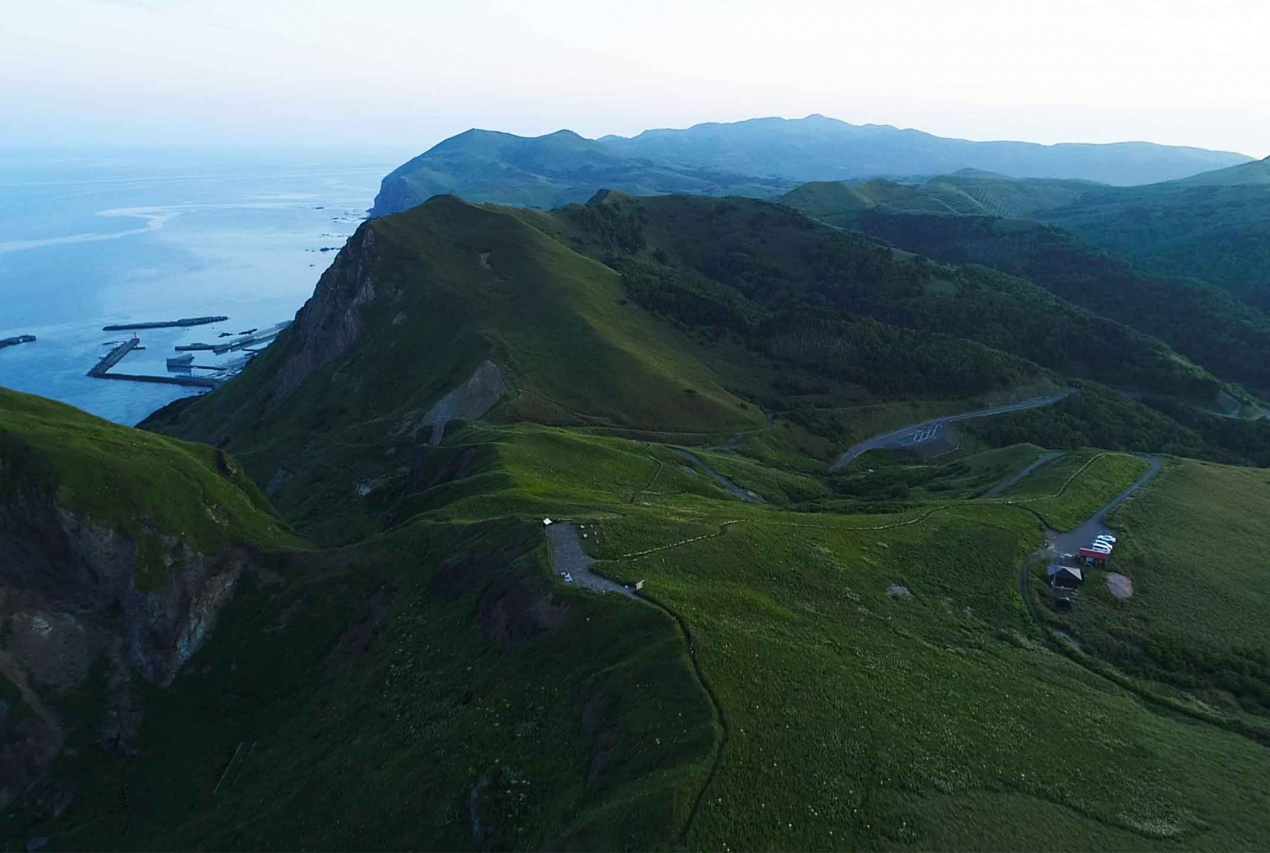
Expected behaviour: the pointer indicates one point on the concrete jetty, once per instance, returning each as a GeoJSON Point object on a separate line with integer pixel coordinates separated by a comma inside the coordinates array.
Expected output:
{"type": "Point", "coordinates": [113, 357]}
{"type": "Point", "coordinates": [164, 324]}
{"type": "Point", "coordinates": [102, 370]}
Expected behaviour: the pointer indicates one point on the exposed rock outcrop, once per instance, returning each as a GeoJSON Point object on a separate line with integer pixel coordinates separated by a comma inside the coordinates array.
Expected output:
{"type": "Point", "coordinates": [330, 321]}
{"type": "Point", "coordinates": [72, 606]}
{"type": "Point", "coordinates": [471, 400]}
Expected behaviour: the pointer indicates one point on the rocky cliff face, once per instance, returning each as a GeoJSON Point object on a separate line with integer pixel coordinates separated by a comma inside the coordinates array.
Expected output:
{"type": "Point", "coordinates": [330, 322]}
{"type": "Point", "coordinates": [75, 616]}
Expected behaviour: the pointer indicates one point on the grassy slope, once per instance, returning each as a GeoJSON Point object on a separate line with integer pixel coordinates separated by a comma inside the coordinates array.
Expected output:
{"type": "Point", "coordinates": [140, 484]}
{"type": "Point", "coordinates": [1194, 546]}
{"type": "Point", "coordinates": [1071, 489]}
{"type": "Point", "coordinates": [348, 675]}
{"type": "Point", "coordinates": [351, 725]}
{"type": "Point", "coordinates": [852, 717]}
{"type": "Point", "coordinates": [458, 284]}
{"type": "Point", "coordinates": [858, 718]}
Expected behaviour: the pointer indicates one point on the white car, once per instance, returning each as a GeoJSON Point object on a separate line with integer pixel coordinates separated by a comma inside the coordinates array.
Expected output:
{"type": "Point", "coordinates": [1100, 547]}
{"type": "Point", "coordinates": [1105, 537]}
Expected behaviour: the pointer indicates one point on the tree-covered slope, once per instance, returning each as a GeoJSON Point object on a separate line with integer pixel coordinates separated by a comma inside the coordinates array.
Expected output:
{"type": "Point", "coordinates": [804, 285]}
{"type": "Point", "coordinates": [1214, 227]}
{"type": "Point", "coordinates": [998, 229]}
{"type": "Point", "coordinates": [1210, 227]}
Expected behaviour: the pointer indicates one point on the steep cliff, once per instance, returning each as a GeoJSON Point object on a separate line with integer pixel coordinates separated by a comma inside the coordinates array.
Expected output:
{"type": "Point", "coordinates": [117, 551]}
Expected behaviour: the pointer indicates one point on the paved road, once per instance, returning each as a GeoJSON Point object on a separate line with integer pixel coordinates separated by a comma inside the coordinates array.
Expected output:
{"type": "Point", "coordinates": [744, 494]}
{"type": "Point", "coordinates": [1048, 456]}
{"type": "Point", "coordinates": [1082, 536]}
{"type": "Point", "coordinates": [567, 556]}
{"type": "Point", "coordinates": [911, 436]}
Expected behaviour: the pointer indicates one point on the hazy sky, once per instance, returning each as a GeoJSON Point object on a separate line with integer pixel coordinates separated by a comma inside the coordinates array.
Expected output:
{"type": "Point", "coordinates": [399, 75]}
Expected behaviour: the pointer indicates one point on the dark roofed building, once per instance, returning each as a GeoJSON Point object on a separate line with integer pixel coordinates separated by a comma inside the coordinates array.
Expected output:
{"type": "Point", "coordinates": [1065, 577]}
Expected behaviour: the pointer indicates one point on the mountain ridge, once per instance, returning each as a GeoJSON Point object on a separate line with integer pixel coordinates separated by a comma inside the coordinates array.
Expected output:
{"type": "Point", "coordinates": [757, 157]}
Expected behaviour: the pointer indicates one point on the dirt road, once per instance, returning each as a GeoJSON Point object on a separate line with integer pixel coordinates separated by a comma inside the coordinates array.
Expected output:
{"type": "Point", "coordinates": [744, 494]}
{"type": "Point", "coordinates": [1048, 456]}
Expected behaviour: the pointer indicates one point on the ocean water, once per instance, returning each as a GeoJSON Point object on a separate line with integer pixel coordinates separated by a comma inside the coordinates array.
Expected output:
{"type": "Point", "coordinates": [91, 240]}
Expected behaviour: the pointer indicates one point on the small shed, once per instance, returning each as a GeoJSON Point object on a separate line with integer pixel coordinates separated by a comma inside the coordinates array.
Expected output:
{"type": "Point", "coordinates": [1065, 577]}
{"type": "Point", "coordinates": [1092, 557]}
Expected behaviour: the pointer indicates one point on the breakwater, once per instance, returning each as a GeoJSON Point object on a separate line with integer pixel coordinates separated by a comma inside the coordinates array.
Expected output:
{"type": "Point", "coordinates": [163, 324]}
{"type": "Point", "coordinates": [102, 370]}
{"type": "Point", "coordinates": [14, 341]}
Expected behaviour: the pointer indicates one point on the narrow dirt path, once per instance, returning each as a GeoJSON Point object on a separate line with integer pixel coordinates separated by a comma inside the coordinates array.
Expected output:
{"type": "Point", "coordinates": [1049, 456]}
{"type": "Point", "coordinates": [744, 494]}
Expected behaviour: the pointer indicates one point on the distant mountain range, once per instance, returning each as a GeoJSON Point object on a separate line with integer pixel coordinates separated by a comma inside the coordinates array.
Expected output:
{"type": "Point", "coordinates": [759, 158]}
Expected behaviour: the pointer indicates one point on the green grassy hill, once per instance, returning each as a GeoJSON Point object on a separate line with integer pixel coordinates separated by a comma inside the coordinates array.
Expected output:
{"type": "Point", "coordinates": [674, 317]}
{"type": "Point", "coordinates": [854, 677]}
{"type": "Point", "coordinates": [1195, 554]}
{"type": "Point", "coordinates": [814, 659]}
{"type": "Point", "coordinates": [141, 485]}
{"type": "Point", "coordinates": [416, 305]}
{"type": "Point", "coordinates": [968, 193]}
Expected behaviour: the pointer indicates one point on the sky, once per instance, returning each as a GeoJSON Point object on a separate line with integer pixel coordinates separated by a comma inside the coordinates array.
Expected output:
{"type": "Point", "coordinates": [400, 75]}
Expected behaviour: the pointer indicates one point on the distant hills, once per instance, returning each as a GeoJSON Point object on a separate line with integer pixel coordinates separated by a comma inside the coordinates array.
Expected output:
{"type": "Point", "coordinates": [548, 171]}
{"type": "Point", "coordinates": [1149, 256]}
{"type": "Point", "coordinates": [759, 158]}
{"type": "Point", "coordinates": [1214, 226]}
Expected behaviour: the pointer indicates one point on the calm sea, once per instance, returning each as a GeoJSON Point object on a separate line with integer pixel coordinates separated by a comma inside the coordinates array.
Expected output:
{"type": "Point", "coordinates": [86, 241]}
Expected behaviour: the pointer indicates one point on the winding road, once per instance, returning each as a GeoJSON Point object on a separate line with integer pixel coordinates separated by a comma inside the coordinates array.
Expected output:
{"type": "Point", "coordinates": [916, 434]}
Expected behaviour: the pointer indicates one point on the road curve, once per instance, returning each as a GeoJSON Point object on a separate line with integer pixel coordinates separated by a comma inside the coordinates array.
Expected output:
{"type": "Point", "coordinates": [895, 438]}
